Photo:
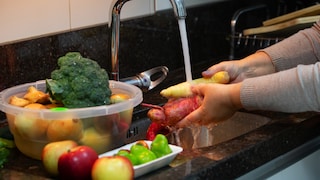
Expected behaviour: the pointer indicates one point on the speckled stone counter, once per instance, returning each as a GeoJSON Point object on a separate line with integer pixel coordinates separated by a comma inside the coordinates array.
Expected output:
{"type": "Point", "coordinates": [226, 160]}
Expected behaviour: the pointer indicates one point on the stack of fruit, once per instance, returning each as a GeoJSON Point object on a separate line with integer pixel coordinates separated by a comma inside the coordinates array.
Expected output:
{"type": "Point", "coordinates": [67, 160]}
{"type": "Point", "coordinates": [32, 132]}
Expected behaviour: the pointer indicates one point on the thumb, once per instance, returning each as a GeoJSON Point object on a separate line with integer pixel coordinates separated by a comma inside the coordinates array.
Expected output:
{"type": "Point", "coordinates": [212, 70]}
{"type": "Point", "coordinates": [198, 89]}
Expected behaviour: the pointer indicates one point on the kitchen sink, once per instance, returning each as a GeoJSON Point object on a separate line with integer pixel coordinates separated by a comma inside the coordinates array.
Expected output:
{"type": "Point", "coordinates": [240, 123]}
{"type": "Point", "coordinates": [196, 137]}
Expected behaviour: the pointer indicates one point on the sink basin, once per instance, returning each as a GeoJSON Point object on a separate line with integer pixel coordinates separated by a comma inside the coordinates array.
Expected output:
{"type": "Point", "coordinates": [196, 137]}
{"type": "Point", "coordinates": [240, 123]}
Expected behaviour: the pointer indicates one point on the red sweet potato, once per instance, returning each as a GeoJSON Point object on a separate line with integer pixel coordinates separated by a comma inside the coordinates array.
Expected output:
{"type": "Point", "coordinates": [155, 129]}
{"type": "Point", "coordinates": [174, 110]}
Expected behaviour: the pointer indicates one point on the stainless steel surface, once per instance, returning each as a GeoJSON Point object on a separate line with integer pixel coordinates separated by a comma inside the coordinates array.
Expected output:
{"type": "Point", "coordinates": [179, 8]}
{"type": "Point", "coordinates": [145, 80]}
{"type": "Point", "coordinates": [234, 21]}
{"type": "Point", "coordinates": [240, 123]}
{"type": "Point", "coordinates": [116, 5]}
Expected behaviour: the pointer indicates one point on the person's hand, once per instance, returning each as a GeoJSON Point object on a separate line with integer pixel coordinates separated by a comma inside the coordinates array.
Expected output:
{"type": "Point", "coordinates": [233, 68]}
{"type": "Point", "coordinates": [220, 102]}
{"type": "Point", "coordinates": [257, 64]}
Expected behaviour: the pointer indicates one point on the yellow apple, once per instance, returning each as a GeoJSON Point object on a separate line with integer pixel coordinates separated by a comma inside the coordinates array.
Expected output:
{"type": "Point", "coordinates": [51, 153]}
{"type": "Point", "coordinates": [112, 167]}
{"type": "Point", "coordinates": [100, 142]}
{"type": "Point", "coordinates": [120, 97]}
{"type": "Point", "coordinates": [31, 127]}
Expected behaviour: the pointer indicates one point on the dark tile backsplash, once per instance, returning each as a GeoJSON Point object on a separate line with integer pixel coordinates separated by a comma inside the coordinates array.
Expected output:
{"type": "Point", "coordinates": [144, 43]}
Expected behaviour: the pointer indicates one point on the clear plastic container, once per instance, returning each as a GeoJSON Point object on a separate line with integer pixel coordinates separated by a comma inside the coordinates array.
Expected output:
{"type": "Point", "coordinates": [101, 127]}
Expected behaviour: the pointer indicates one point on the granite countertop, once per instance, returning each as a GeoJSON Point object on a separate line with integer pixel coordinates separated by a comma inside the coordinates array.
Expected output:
{"type": "Point", "coordinates": [226, 160]}
{"type": "Point", "coordinates": [234, 158]}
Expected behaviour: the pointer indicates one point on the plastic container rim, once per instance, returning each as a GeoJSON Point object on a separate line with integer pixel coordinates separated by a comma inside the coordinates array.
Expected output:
{"type": "Point", "coordinates": [135, 93]}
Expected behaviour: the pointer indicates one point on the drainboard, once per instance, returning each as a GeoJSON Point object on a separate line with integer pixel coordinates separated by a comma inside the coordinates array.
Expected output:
{"type": "Point", "coordinates": [196, 137]}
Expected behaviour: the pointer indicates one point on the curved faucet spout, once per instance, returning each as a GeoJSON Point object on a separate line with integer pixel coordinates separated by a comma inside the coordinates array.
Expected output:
{"type": "Point", "coordinates": [114, 23]}
{"type": "Point", "coordinates": [179, 8]}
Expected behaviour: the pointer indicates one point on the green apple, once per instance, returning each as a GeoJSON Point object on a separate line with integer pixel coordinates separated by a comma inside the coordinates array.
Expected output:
{"type": "Point", "coordinates": [51, 153]}
{"type": "Point", "coordinates": [112, 167]}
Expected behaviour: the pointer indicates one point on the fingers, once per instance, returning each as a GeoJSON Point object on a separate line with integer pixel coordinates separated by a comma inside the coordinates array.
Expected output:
{"type": "Point", "coordinates": [193, 118]}
{"type": "Point", "coordinates": [206, 113]}
{"type": "Point", "coordinates": [222, 66]}
{"type": "Point", "coordinates": [232, 67]}
{"type": "Point", "coordinates": [212, 70]}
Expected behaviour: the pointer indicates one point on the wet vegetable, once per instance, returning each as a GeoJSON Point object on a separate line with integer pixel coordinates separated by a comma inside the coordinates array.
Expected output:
{"type": "Point", "coordinates": [174, 110]}
{"type": "Point", "coordinates": [160, 146]}
{"type": "Point", "coordinates": [183, 89]}
{"type": "Point", "coordinates": [155, 129]}
{"type": "Point", "coordinates": [143, 154]}
{"type": "Point", "coordinates": [126, 153]}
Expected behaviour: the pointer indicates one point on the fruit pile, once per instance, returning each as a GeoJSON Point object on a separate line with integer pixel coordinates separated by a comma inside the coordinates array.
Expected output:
{"type": "Point", "coordinates": [141, 153]}
{"type": "Point", "coordinates": [32, 132]}
{"type": "Point", "coordinates": [68, 160]}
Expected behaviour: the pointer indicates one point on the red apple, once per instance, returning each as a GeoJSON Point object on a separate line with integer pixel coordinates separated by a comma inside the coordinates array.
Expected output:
{"type": "Point", "coordinates": [51, 153]}
{"type": "Point", "coordinates": [112, 167]}
{"type": "Point", "coordinates": [76, 163]}
{"type": "Point", "coordinates": [143, 143]}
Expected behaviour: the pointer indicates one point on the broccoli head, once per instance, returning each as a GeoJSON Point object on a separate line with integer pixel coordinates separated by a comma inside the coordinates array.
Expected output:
{"type": "Point", "coordinates": [79, 82]}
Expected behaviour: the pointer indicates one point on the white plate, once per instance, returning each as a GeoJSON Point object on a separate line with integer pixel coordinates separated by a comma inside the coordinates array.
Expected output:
{"type": "Point", "coordinates": [149, 166]}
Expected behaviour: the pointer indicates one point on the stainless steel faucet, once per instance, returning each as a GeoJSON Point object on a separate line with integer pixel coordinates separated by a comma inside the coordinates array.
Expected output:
{"type": "Point", "coordinates": [179, 11]}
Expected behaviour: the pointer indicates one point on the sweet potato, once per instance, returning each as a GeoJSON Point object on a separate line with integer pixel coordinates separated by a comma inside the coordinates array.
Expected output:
{"type": "Point", "coordinates": [174, 110]}
{"type": "Point", "coordinates": [155, 129]}
{"type": "Point", "coordinates": [181, 102]}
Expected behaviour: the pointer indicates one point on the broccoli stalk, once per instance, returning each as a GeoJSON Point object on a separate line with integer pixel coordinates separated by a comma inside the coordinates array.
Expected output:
{"type": "Point", "coordinates": [79, 82]}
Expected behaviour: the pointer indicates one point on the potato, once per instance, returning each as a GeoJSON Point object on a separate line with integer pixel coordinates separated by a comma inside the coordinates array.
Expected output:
{"type": "Point", "coordinates": [66, 129]}
{"type": "Point", "coordinates": [16, 101]}
{"type": "Point", "coordinates": [34, 95]}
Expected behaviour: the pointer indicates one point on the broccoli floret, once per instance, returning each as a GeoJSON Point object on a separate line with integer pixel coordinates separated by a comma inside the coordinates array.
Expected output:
{"type": "Point", "coordinates": [79, 82]}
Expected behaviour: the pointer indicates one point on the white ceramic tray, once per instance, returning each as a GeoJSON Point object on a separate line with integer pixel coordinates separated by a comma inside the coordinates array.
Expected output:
{"type": "Point", "coordinates": [152, 165]}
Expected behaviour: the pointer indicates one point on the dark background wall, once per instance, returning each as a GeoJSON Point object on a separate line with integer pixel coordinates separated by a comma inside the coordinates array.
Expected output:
{"type": "Point", "coordinates": [144, 42]}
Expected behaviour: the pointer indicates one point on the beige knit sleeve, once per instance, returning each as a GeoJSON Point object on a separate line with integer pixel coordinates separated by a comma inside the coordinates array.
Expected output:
{"type": "Point", "coordinates": [296, 85]}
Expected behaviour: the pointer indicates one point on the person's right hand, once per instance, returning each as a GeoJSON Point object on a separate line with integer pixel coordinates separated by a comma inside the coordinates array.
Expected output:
{"type": "Point", "coordinates": [257, 64]}
{"type": "Point", "coordinates": [220, 102]}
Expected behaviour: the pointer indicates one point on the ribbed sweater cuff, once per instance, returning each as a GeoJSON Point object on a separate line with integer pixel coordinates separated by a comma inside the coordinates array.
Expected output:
{"type": "Point", "coordinates": [247, 96]}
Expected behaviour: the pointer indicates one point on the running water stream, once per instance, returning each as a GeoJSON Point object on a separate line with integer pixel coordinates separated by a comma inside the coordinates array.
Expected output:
{"type": "Point", "coordinates": [196, 131]}
{"type": "Point", "coordinates": [185, 48]}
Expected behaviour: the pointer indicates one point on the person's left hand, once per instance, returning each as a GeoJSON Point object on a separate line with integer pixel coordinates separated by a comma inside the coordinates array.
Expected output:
{"type": "Point", "coordinates": [220, 102]}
